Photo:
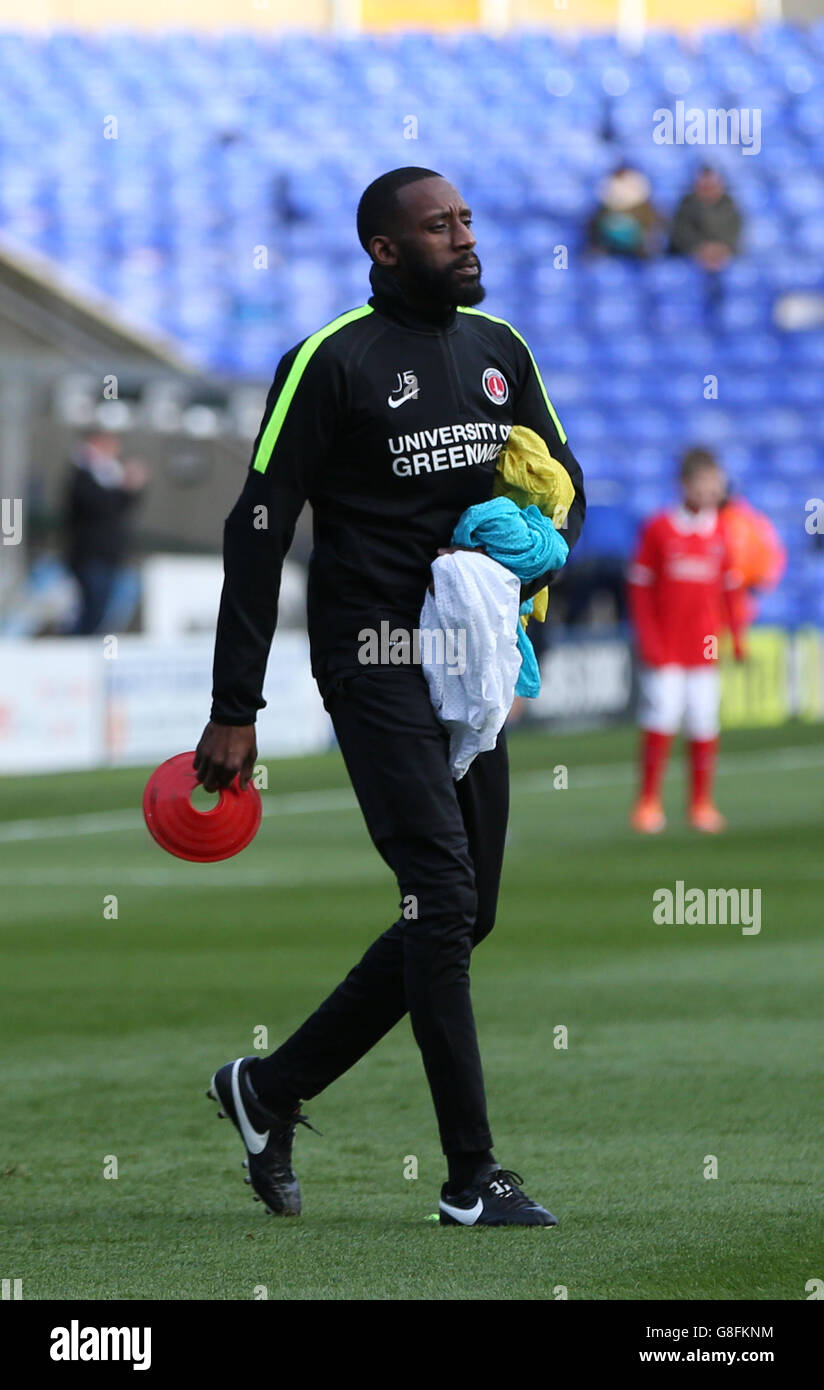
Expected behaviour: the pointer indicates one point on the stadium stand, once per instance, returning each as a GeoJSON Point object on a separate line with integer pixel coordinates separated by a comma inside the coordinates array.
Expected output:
{"type": "Point", "coordinates": [207, 184]}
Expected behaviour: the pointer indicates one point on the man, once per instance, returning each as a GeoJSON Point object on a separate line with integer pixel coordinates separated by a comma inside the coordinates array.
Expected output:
{"type": "Point", "coordinates": [683, 592]}
{"type": "Point", "coordinates": [707, 223]}
{"type": "Point", "coordinates": [100, 497]}
{"type": "Point", "coordinates": [389, 420]}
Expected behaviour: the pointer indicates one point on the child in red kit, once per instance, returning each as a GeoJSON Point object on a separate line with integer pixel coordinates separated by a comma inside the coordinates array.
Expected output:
{"type": "Point", "coordinates": [683, 593]}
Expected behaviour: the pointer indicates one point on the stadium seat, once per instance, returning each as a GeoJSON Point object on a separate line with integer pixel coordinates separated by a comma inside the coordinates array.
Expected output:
{"type": "Point", "coordinates": [216, 158]}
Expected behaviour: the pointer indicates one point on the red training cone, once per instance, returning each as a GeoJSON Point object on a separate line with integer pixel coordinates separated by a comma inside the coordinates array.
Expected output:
{"type": "Point", "coordinates": [202, 836]}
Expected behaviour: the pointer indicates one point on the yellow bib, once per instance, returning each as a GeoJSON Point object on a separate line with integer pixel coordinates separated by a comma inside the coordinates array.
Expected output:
{"type": "Point", "coordinates": [528, 474]}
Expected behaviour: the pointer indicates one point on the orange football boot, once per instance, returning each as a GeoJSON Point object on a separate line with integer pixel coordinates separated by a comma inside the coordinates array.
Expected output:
{"type": "Point", "coordinates": [648, 816]}
{"type": "Point", "coordinates": [706, 817]}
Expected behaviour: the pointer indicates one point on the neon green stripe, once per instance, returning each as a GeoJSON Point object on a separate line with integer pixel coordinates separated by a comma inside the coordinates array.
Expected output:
{"type": "Point", "coordinates": [290, 385]}
{"type": "Point", "coordinates": [464, 309]}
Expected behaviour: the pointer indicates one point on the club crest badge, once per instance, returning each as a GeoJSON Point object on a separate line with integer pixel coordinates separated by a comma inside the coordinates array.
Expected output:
{"type": "Point", "coordinates": [495, 386]}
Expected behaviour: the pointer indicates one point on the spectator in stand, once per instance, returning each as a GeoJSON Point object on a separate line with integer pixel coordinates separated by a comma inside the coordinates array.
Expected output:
{"type": "Point", "coordinates": [625, 223]}
{"type": "Point", "coordinates": [707, 222]}
{"type": "Point", "coordinates": [100, 496]}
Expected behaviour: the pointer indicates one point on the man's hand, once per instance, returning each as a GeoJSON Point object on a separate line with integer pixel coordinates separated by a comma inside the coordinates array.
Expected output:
{"type": "Point", "coordinates": [450, 550]}
{"type": "Point", "coordinates": [225, 750]}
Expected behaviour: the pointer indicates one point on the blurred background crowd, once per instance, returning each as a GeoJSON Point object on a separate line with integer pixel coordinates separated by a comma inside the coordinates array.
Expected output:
{"type": "Point", "coordinates": [177, 209]}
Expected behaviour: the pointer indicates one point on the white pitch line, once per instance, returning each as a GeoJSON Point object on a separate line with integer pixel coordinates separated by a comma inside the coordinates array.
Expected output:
{"type": "Point", "coordinates": [96, 823]}
{"type": "Point", "coordinates": [107, 822]}
{"type": "Point", "coordinates": [338, 799]}
{"type": "Point", "coordinates": [615, 774]}
{"type": "Point", "coordinates": [183, 875]}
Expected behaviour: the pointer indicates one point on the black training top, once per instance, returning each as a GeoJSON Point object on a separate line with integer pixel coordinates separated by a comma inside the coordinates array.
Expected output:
{"type": "Point", "coordinates": [389, 423]}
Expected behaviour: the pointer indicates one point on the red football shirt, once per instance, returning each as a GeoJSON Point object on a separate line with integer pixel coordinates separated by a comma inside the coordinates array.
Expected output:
{"type": "Point", "coordinates": [683, 588]}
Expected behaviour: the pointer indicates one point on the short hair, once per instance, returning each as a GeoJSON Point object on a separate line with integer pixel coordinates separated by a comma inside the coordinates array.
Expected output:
{"type": "Point", "coordinates": [378, 207]}
{"type": "Point", "coordinates": [697, 460]}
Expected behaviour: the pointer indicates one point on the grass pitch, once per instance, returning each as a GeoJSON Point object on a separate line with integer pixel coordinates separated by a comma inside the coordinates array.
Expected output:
{"type": "Point", "coordinates": [684, 1043]}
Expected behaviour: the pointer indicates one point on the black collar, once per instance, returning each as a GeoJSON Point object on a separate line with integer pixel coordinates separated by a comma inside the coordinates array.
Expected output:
{"type": "Point", "coordinates": [389, 299]}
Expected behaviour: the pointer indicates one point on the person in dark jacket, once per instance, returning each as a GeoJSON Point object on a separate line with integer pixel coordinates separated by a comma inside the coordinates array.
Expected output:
{"type": "Point", "coordinates": [707, 222]}
{"type": "Point", "coordinates": [100, 496]}
{"type": "Point", "coordinates": [389, 420]}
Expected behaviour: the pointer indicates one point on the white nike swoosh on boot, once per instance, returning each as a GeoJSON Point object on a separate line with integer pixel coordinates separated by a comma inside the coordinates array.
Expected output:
{"type": "Point", "coordinates": [466, 1215]}
{"type": "Point", "coordinates": [254, 1141]}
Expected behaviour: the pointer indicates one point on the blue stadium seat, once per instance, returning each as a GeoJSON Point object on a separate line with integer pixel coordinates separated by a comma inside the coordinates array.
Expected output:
{"type": "Point", "coordinates": [804, 461]}
{"type": "Point", "coordinates": [241, 139]}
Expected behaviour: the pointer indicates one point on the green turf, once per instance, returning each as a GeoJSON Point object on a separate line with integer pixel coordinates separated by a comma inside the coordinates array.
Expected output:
{"type": "Point", "coordinates": [683, 1042]}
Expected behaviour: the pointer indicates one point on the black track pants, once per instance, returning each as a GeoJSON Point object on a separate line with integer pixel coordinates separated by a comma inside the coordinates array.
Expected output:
{"type": "Point", "coordinates": [444, 840]}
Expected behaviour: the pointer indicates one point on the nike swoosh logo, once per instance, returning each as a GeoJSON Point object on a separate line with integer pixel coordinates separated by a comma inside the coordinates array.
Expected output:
{"type": "Point", "coordinates": [466, 1215]}
{"type": "Point", "coordinates": [254, 1142]}
{"type": "Point", "coordinates": [394, 404]}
